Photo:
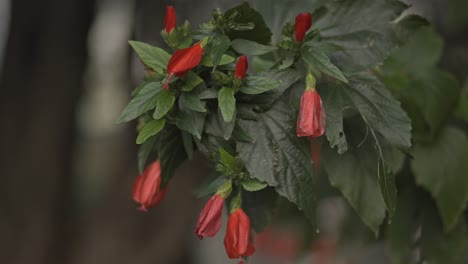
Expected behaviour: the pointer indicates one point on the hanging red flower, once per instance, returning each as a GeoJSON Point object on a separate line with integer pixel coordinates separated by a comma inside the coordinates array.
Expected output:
{"type": "Point", "coordinates": [237, 240]}
{"type": "Point", "coordinates": [209, 221]}
{"type": "Point", "coordinates": [311, 118]}
{"type": "Point", "coordinates": [146, 189]}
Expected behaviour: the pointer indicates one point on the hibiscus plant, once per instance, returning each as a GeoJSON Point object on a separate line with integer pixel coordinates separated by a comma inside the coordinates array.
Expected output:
{"type": "Point", "coordinates": [329, 102]}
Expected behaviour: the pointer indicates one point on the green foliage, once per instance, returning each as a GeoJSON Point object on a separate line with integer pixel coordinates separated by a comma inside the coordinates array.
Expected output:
{"type": "Point", "coordinates": [227, 103]}
{"type": "Point", "coordinates": [276, 156]}
{"type": "Point", "coordinates": [164, 104]}
{"type": "Point", "coordinates": [248, 47]}
{"type": "Point", "coordinates": [319, 60]}
{"type": "Point", "coordinates": [442, 168]}
{"type": "Point", "coordinates": [145, 100]}
{"type": "Point", "coordinates": [153, 57]}
{"type": "Point", "coordinates": [150, 129]}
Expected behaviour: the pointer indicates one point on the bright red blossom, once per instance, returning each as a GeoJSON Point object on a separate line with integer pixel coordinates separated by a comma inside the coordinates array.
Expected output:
{"type": "Point", "coordinates": [209, 221]}
{"type": "Point", "coordinates": [311, 119]}
{"type": "Point", "coordinates": [237, 240]}
{"type": "Point", "coordinates": [146, 189]}
{"type": "Point", "coordinates": [302, 25]}
{"type": "Point", "coordinates": [241, 67]}
{"type": "Point", "coordinates": [170, 21]}
{"type": "Point", "coordinates": [182, 61]}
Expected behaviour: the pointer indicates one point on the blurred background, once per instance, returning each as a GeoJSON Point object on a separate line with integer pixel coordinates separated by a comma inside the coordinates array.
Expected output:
{"type": "Point", "coordinates": [66, 72]}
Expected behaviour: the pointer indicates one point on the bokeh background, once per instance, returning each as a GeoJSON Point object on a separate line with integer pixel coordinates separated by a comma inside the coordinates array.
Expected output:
{"type": "Point", "coordinates": [66, 72]}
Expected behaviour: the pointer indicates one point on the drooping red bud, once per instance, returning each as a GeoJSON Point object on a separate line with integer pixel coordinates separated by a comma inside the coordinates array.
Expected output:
{"type": "Point", "coordinates": [311, 119]}
{"type": "Point", "coordinates": [182, 61]}
{"type": "Point", "coordinates": [303, 24]}
{"type": "Point", "coordinates": [237, 240]}
{"type": "Point", "coordinates": [146, 189]}
{"type": "Point", "coordinates": [170, 21]}
{"type": "Point", "coordinates": [241, 67]}
{"type": "Point", "coordinates": [209, 221]}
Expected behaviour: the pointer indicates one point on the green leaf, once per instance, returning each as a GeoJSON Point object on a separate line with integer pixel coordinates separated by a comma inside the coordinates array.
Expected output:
{"type": "Point", "coordinates": [335, 103]}
{"type": "Point", "coordinates": [428, 94]}
{"type": "Point", "coordinates": [376, 106]}
{"type": "Point", "coordinates": [439, 246]}
{"type": "Point", "coordinates": [354, 173]}
{"type": "Point", "coordinates": [153, 57]}
{"type": "Point", "coordinates": [218, 46]}
{"type": "Point", "coordinates": [442, 169]}
{"type": "Point", "coordinates": [150, 129]}
{"type": "Point", "coordinates": [216, 126]}
{"type": "Point", "coordinates": [171, 152]}
{"type": "Point", "coordinates": [211, 187]}
{"type": "Point", "coordinates": [319, 60]}
{"type": "Point", "coordinates": [225, 59]}
{"type": "Point", "coordinates": [144, 151]}
{"type": "Point", "coordinates": [260, 33]}
{"type": "Point", "coordinates": [192, 122]}
{"type": "Point", "coordinates": [227, 103]}
{"type": "Point", "coordinates": [227, 159]}
{"type": "Point", "coordinates": [405, 224]}
{"type": "Point", "coordinates": [258, 85]}
{"type": "Point", "coordinates": [366, 35]}
{"type": "Point", "coordinates": [248, 47]}
{"type": "Point", "coordinates": [276, 156]}
{"type": "Point", "coordinates": [192, 101]}
{"type": "Point", "coordinates": [188, 144]}
{"type": "Point", "coordinates": [144, 101]}
{"type": "Point", "coordinates": [191, 80]}
{"type": "Point", "coordinates": [165, 102]}
{"type": "Point", "coordinates": [259, 206]}
{"type": "Point", "coordinates": [253, 185]}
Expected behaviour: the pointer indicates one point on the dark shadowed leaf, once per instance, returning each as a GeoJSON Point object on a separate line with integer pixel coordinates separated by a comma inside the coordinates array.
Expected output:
{"type": "Point", "coordinates": [144, 101]}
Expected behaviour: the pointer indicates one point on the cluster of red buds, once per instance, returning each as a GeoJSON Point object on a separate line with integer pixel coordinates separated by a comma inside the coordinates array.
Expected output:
{"type": "Point", "coordinates": [148, 190]}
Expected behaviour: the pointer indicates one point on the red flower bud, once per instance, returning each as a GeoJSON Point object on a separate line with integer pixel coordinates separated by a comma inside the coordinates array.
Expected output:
{"type": "Point", "coordinates": [182, 61]}
{"type": "Point", "coordinates": [241, 67]}
{"type": "Point", "coordinates": [311, 118]}
{"type": "Point", "coordinates": [303, 24]}
{"type": "Point", "coordinates": [237, 240]}
{"type": "Point", "coordinates": [209, 221]}
{"type": "Point", "coordinates": [170, 20]}
{"type": "Point", "coordinates": [146, 189]}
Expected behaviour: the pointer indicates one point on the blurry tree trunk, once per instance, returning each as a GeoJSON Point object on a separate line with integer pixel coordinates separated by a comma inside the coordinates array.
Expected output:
{"type": "Point", "coordinates": [40, 85]}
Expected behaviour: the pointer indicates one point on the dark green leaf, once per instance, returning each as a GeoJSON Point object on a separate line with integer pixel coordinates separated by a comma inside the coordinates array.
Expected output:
{"type": "Point", "coordinates": [225, 59]}
{"type": "Point", "coordinates": [259, 206]}
{"type": "Point", "coordinates": [439, 246]}
{"type": "Point", "coordinates": [212, 186]}
{"type": "Point", "coordinates": [153, 57]}
{"type": "Point", "coordinates": [165, 102]}
{"type": "Point", "coordinates": [404, 225]}
{"type": "Point", "coordinates": [192, 101]}
{"type": "Point", "coordinates": [442, 169]}
{"type": "Point", "coordinates": [191, 80]}
{"type": "Point", "coordinates": [354, 173]}
{"type": "Point", "coordinates": [216, 126]}
{"type": "Point", "coordinates": [188, 144]}
{"type": "Point", "coordinates": [335, 103]}
{"type": "Point", "coordinates": [218, 46]}
{"type": "Point", "coordinates": [258, 85]}
{"type": "Point", "coordinates": [376, 106]}
{"type": "Point", "coordinates": [144, 101]}
{"type": "Point", "coordinates": [192, 122]}
{"type": "Point", "coordinates": [319, 60]}
{"type": "Point", "coordinates": [227, 103]}
{"type": "Point", "coordinates": [150, 129]}
{"type": "Point", "coordinates": [362, 28]}
{"type": "Point", "coordinates": [239, 134]}
{"type": "Point", "coordinates": [227, 159]}
{"type": "Point", "coordinates": [171, 152]}
{"type": "Point", "coordinates": [248, 47]}
{"type": "Point", "coordinates": [144, 152]}
{"type": "Point", "coordinates": [253, 185]}
{"type": "Point", "coordinates": [279, 158]}
{"type": "Point", "coordinates": [260, 33]}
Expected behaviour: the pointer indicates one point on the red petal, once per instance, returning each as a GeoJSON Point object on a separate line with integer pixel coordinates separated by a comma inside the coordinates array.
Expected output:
{"type": "Point", "coordinates": [302, 25]}
{"type": "Point", "coordinates": [170, 21]}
